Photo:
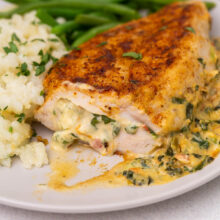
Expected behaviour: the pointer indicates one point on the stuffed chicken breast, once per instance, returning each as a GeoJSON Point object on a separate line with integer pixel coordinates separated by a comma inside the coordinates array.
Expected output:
{"type": "Point", "coordinates": [128, 88]}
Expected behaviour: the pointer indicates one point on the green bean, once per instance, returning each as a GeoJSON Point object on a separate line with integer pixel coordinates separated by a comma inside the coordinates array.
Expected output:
{"type": "Point", "coordinates": [104, 14]}
{"type": "Point", "coordinates": [65, 27]}
{"type": "Point", "coordinates": [92, 33]}
{"type": "Point", "coordinates": [91, 20]}
{"type": "Point", "coordinates": [76, 34]}
{"type": "Point", "coordinates": [210, 5]}
{"type": "Point", "coordinates": [81, 4]}
{"type": "Point", "coordinates": [46, 18]}
{"type": "Point", "coordinates": [64, 12]}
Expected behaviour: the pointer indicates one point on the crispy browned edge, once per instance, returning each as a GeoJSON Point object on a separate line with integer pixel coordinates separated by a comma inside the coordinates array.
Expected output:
{"type": "Point", "coordinates": [157, 37]}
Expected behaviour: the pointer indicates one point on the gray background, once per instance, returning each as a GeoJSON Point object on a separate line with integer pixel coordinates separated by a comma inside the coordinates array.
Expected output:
{"type": "Point", "coordinates": [202, 204]}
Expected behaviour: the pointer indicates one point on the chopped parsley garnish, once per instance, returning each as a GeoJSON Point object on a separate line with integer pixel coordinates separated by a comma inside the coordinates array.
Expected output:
{"type": "Point", "coordinates": [24, 70]}
{"type": "Point", "coordinates": [5, 108]}
{"type": "Point", "coordinates": [20, 117]}
{"type": "Point", "coordinates": [203, 144]}
{"type": "Point", "coordinates": [45, 58]}
{"type": "Point", "coordinates": [10, 129]}
{"type": "Point", "coordinates": [12, 48]}
{"type": "Point", "coordinates": [202, 62]}
{"type": "Point", "coordinates": [190, 29]}
{"type": "Point", "coordinates": [106, 119]}
{"type": "Point", "coordinates": [163, 28]}
{"type": "Point", "coordinates": [128, 27]}
{"type": "Point", "coordinates": [189, 111]}
{"type": "Point", "coordinates": [38, 39]}
{"type": "Point", "coordinates": [137, 56]}
{"type": "Point", "coordinates": [53, 40]}
{"type": "Point", "coordinates": [14, 37]}
{"type": "Point", "coordinates": [42, 93]}
{"type": "Point", "coordinates": [177, 100]}
{"type": "Point", "coordinates": [102, 44]}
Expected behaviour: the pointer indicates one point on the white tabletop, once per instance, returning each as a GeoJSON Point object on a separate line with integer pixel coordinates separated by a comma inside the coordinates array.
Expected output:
{"type": "Point", "coordinates": [200, 204]}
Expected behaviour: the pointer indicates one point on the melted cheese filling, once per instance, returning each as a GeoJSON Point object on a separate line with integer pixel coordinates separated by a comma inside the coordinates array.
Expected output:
{"type": "Point", "coordinates": [76, 123]}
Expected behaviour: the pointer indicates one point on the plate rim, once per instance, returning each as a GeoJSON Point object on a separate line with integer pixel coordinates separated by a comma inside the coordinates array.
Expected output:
{"type": "Point", "coordinates": [210, 174]}
{"type": "Point", "coordinates": [117, 206]}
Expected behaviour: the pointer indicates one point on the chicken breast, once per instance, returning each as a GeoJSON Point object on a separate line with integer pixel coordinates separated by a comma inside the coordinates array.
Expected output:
{"type": "Point", "coordinates": [128, 88]}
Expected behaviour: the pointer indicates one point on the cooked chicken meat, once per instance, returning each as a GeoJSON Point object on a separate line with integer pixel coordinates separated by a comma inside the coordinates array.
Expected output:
{"type": "Point", "coordinates": [140, 85]}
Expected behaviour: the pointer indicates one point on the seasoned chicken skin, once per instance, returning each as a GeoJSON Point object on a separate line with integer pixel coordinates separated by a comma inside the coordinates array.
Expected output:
{"type": "Point", "coordinates": [146, 96]}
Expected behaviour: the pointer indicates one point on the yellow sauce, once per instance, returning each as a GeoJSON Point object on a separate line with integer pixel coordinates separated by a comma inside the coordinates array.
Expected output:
{"type": "Point", "coordinates": [62, 170]}
{"type": "Point", "coordinates": [184, 152]}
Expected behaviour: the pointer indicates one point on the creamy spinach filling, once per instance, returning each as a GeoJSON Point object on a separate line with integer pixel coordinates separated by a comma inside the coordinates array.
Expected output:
{"type": "Point", "coordinates": [75, 123]}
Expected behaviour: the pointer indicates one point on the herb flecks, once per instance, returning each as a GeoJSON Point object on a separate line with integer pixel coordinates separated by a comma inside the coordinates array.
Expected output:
{"type": "Point", "coordinates": [189, 111]}
{"type": "Point", "coordinates": [23, 70]}
{"type": "Point", "coordinates": [106, 119]}
{"type": "Point", "coordinates": [12, 48]}
{"type": "Point", "coordinates": [94, 121]}
{"type": "Point", "coordinates": [177, 100]}
{"type": "Point", "coordinates": [137, 56]}
{"type": "Point", "coordinates": [203, 144]}
{"type": "Point", "coordinates": [201, 61]}
{"type": "Point", "coordinates": [45, 58]}
{"type": "Point", "coordinates": [163, 28]}
{"type": "Point", "coordinates": [190, 29]}
{"type": "Point", "coordinates": [20, 117]}
{"type": "Point", "coordinates": [102, 44]}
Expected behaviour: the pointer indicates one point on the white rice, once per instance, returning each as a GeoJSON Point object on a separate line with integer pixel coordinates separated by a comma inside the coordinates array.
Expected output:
{"type": "Point", "coordinates": [22, 94]}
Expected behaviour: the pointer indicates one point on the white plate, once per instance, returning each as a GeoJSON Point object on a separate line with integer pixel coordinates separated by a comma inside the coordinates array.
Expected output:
{"type": "Point", "coordinates": [18, 187]}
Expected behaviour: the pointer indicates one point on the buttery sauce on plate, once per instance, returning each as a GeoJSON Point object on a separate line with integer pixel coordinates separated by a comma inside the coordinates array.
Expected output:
{"type": "Point", "coordinates": [183, 152]}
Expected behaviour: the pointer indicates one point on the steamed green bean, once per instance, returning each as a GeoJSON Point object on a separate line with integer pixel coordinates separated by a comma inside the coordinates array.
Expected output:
{"type": "Point", "coordinates": [81, 4]}
{"type": "Point", "coordinates": [92, 33]}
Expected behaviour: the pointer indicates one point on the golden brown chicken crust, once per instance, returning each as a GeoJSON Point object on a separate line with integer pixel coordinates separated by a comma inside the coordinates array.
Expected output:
{"type": "Point", "coordinates": [162, 39]}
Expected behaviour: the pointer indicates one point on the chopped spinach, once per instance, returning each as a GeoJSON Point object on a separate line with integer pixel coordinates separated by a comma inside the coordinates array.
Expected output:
{"type": "Point", "coordinates": [150, 180]}
{"type": "Point", "coordinates": [204, 162]}
{"type": "Point", "coordinates": [132, 129]}
{"type": "Point", "coordinates": [169, 152]}
{"type": "Point", "coordinates": [160, 157]}
{"type": "Point", "coordinates": [106, 119]}
{"type": "Point", "coordinates": [197, 155]}
{"type": "Point", "coordinates": [116, 130]}
{"type": "Point", "coordinates": [189, 111]}
{"type": "Point", "coordinates": [203, 144]}
{"type": "Point", "coordinates": [177, 100]}
{"type": "Point", "coordinates": [201, 61]}
{"type": "Point", "coordinates": [94, 121]}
